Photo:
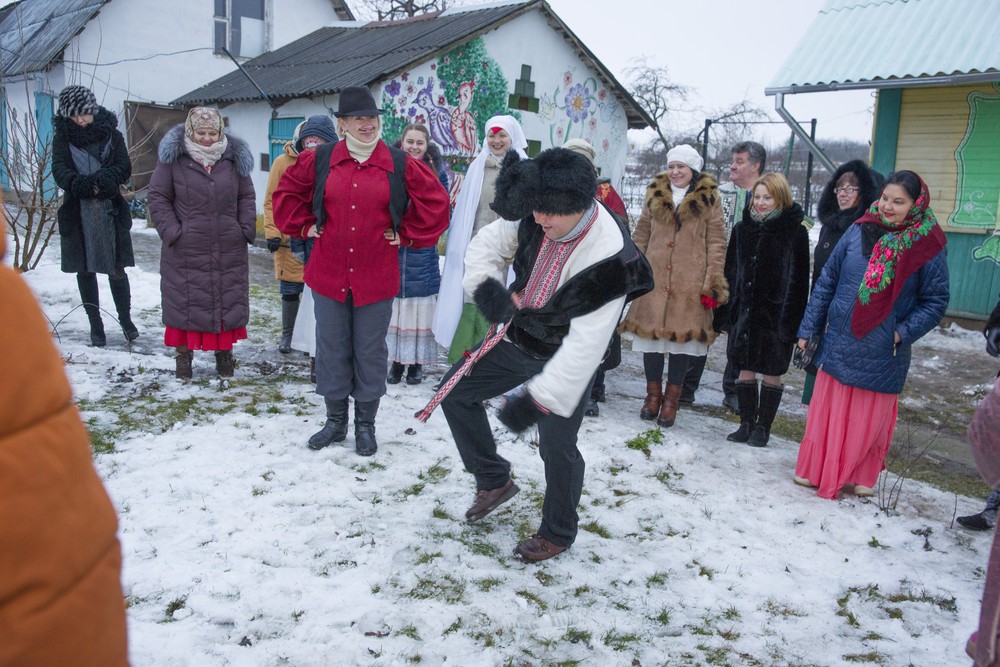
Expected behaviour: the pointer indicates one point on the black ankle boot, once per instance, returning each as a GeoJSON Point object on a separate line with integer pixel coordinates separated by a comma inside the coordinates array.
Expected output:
{"type": "Point", "coordinates": [414, 374]}
{"type": "Point", "coordinates": [225, 365]}
{"type": "Point", "coordinates": [289, 310]}
{"type": "Point", "coordinates": [770, 400]}
{"type": "Point", "coordinates": [90, 296]}
{"type": "Point", "coordinates": [121, 292]}
{"type": "Point", "coordinates": [746, 390]}
{"type": "Point", "coordinates": [335, 428]}
{"type": "Point", "coordinates": [364, 427]}
{"type": "Point", "coordinates": [395, 373]}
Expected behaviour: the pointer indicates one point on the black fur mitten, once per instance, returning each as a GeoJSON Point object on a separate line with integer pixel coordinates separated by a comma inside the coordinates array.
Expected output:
{"type": "Point", "coordinates": [83, 187]}
{"type": "Point", "coordinates": [494, 302]}
{"type": "Point", "coordinates": [520, 411]}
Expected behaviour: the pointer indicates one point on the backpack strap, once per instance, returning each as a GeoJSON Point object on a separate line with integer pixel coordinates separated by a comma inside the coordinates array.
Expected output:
{"type": "Point", "coordinates": [323, 154]}
{"type": "Point", "coordinates": [399, 198]}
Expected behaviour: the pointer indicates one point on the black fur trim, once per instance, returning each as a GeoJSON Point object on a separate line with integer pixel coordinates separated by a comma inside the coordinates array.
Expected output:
{"type": "Point", "coordinates": [519, 412]}
{"type": "Point", "coordinates": [493, 301]}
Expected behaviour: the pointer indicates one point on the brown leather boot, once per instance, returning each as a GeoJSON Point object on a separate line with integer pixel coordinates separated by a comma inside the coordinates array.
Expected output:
{"type": "Point", "coordinates": [654, 396]}
{"type": "Point", "coordinates": [668, 409]}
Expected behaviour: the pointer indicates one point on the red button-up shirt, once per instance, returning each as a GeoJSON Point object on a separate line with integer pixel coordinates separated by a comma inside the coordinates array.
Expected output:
{"type": "Point", "coordinates": [351, 256]}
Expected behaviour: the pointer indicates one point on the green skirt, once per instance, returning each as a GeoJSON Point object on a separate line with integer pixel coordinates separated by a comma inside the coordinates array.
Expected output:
{"type": "Point", "coordinates": [807, 387]}
{"type": "Point", "coordinates": [472, 328]}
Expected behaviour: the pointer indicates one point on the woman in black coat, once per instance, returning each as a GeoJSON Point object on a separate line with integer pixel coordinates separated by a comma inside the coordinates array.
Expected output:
{"type": "Point", "coordinates": [845, 198]}
{"type": "Point", "coordinates": [767, 267]}
{"type": "Point", "coordinates": [90, 163]}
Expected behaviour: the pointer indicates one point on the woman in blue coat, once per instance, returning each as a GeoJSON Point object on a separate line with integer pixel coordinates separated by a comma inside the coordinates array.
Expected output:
{"type": "Point", "coordinates": [410, 339]}
{"type": "Point", "coordinates": [884, 286]}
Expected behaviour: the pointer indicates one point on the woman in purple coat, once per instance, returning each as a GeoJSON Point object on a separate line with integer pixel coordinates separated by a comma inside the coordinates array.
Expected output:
{"type": "Point", "coordinates": [201, 200]}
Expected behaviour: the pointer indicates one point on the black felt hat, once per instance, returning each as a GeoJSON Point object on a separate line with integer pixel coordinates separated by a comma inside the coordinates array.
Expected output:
{"type": "Point", "coordinates": [558, 182]}
{"type": "Point", "coordinates": [357, 101]}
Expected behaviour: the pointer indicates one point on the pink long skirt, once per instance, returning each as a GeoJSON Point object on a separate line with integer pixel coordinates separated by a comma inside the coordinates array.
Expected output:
{"type": "Point", "coordinates": [848, 433]}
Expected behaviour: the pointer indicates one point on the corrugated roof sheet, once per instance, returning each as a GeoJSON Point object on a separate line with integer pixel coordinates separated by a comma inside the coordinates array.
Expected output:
{"type": "Point", "coordinates": [330, 59]}
{"type": "Point", "coordinates": [854, 42]}
{"type": "Point", "coordinates": [35, 32]}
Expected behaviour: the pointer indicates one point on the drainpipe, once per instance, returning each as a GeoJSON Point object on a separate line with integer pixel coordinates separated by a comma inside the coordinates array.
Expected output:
{"type": "Point", "coordinates": [779, 106]}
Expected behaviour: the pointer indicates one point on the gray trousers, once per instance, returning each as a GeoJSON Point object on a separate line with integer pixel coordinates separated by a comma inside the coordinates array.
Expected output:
{"type": "Point", "coordinates": [351, 352]}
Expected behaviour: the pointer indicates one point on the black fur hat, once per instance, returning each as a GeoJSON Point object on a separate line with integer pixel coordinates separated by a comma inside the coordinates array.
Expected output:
{"type": "Point", "coordinates": [558, 181]}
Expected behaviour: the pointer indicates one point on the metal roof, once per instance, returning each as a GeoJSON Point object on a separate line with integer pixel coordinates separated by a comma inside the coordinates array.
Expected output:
{"type": "Point", "coordinates": [888, 43]}
{"type": "Point", "coordinates": [333, 58]}
{"type": "Point", "coordinates": [34, 33]}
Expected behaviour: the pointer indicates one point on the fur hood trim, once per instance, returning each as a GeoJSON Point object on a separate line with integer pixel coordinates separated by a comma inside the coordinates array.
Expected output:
{"type": "Point", "coordinates": [701, 196]}
{"type": "Point", "coordinates": [870, 184]}
{"type": "Point", "coordinates": [172, 147]}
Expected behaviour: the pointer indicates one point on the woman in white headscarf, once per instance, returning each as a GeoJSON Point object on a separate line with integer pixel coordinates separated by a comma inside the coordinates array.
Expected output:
{"type": "Point", "coordinates": [458, 325]}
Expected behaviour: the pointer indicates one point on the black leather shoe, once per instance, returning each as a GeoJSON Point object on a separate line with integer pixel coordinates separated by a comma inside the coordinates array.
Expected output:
{"type": "Point", "coordinates": [488, 500]}
{"type": "Point", "coordinates": [536, 549]}
{"type": "Point", "coordinates": [592, 410]}
{"type": "Point", "coordinates": [395, 373]}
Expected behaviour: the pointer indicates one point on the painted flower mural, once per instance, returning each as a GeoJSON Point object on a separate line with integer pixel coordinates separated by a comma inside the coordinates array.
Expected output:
{"type": "Point", "coordinates": [576, 109]}
{"type": "Point", "coordinates": [577, 102]}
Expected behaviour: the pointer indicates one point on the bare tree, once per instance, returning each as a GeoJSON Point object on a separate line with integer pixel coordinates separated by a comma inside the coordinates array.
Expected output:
{"type": "Point", "coordinates": [655, 92]}
{"type": "Point", "coordinates": [393, 10]}
{"type": "Point", "coordinates": [729, 126]}
{"type": "Point", "coordinates": [33, 203]}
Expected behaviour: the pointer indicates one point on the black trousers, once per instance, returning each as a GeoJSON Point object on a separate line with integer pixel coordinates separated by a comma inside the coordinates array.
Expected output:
{"type": "Point", "coordinates": [692, 380]}
{"type": "Point", "coordinates": [500, 370]}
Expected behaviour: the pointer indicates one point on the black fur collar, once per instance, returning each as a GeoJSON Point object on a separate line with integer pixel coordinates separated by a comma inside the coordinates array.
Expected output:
{"type": "Point", "coordinates": [105, 122]}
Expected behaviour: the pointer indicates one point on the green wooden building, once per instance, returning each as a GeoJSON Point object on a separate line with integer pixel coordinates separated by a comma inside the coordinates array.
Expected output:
{"type": "Point", "coordinates": [935, 69]}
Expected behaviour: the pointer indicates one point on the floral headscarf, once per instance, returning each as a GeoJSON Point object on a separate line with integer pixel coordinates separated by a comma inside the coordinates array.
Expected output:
{"type": "Point", "coordinates": [901, 251]}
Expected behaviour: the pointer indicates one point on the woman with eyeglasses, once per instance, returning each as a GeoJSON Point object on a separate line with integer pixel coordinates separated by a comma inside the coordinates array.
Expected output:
{"type": "Point", "coordinates": [845, 198]}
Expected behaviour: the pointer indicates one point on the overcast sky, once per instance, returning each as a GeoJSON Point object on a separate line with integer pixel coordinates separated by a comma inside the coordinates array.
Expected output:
{"type": "Point", "coordinates": [723, 49]}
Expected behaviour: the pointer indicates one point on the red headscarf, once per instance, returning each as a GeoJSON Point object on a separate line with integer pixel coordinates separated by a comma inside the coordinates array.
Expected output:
{"type": "Point", "coordinates": [903, 250]}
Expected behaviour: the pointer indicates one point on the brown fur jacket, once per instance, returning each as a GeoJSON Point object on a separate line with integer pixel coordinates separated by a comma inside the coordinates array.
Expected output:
{"type": "Point", "coordinates": [686, 245]}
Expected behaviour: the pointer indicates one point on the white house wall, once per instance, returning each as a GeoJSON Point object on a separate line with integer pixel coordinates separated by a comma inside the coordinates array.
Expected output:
{"type": "Point", "coordinates": [527, 40]}
{"type": "Point", "coordinates": [557, 70]}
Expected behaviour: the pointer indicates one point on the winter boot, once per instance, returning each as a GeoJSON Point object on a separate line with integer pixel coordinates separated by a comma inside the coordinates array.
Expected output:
{"type": "Point", "coordinates": [414, 374]}
{"type": "Point", "coordinates": [335, 428]}
{"type": "Point", "coordinates": [122, 294]}
{"type": "Point", "coordinates": [183, 356]}
{"type": "Point", "coordinates": [90, 296]}
{"type": "Point", "coordinates": [654, 397]}
{"type": "Point", "coordinates": [668, 409]}
{"type": "Point", "coordinates": [289, 309]}
{"type": "Point", "coordinates": [770, 399]}
{"type": "Point", "coordinates": [395, 373]}
{"type": "Point", "coordinates": [746, 390]}
{"type": "Point", "coordinates": [225, 365]}
{"type": "Point", "coordinates": [364, 427]}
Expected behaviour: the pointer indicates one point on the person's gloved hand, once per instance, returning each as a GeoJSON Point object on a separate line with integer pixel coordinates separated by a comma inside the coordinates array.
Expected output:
{"type": "Point", "coordinates": [992, 341]}
{"type": "Point", "coordinates": [494, 301]}
{"type": "Point", "coordinates": [708, 302]}
{"type": "Point", "coordinates": [520, 411]}
{"type": "Point", "coordinates": [273, 244]}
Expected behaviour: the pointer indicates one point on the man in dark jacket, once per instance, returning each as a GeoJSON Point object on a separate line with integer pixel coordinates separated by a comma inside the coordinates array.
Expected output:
{"type": "Point", "coordinates": [575, 267]}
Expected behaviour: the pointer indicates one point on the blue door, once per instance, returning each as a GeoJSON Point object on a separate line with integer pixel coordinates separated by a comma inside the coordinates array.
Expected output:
{"type": "Point", "coordinates": [44, 105]}
{"type": "Point", "coordinates": [280, 132]}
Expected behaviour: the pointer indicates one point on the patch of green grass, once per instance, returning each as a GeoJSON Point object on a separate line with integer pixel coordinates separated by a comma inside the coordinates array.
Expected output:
{"type": "Point", "coordinates": [875, 544]}
{"type": "Point", "coordinates": [662, 618]}
{"type": "Point", "coordinates": [409, 631]}
{"type": "Point", "coordinates": [445, 588]}
{"type": "Point", "coordinates": [643, 441]}
{"type": "Point", "coordinates": [175, 605]}
{"type": "Point", "coordinates": [581, 590]}
{"type": "Point", "coordinates": [775, 608]}
{"type": "Point", "coordinates": [489, 583]}
{"type": "Point", "coordinates": [872, 657]}
{"type": "Point", "coordinates": [296, 615]}
{"type": "Point", "coordinates": [435, 474]}
{"type": "Point", "coordinates": [703, 570]}
{"type": "Point", "coordinates": [576, 636]}
{"type": "Point", "coordinates": [946, 604]}
{"type": "Point", "coordinates": [439, 513]}
{"type": "Point", "coordinates": [544, 578]}
{"type": "Point", "coordinates": [531, 597]}
{"type": "Point", "coordinates": [619, 641]}
{"type": "Point", "coordinates": [454, 627]}
{"type": "Point", "coordinates": [657, 579]}
{"type": "Point", "coordinates": [596, 529]}
{"type": "Point", "coordinates": [425, 558]}
{"type": "Point", "coordinates": [257, 491]}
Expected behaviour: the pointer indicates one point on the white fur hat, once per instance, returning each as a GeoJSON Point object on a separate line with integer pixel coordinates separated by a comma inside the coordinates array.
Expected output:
{"type": "Point", "coordinates": [686, 154]}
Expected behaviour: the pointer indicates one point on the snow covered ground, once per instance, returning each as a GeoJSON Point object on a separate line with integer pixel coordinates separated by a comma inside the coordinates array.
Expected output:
{"type": "Point", "coordinates": [242, 547]}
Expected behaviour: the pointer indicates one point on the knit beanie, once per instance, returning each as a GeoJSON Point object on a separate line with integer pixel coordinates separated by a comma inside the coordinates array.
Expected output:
{"type": "Point", "coordinates": [557, 182]}
{"type": "Point", "coordinates": [200, 118]}
{"type": "Point", "coordinates": [581, 146]}
{"type": "Point", "coordinates": [320, 126]}
{"type": "Point", "coordinates": [77, 101]}
{"type": "Point", "coordinates": [686, 155]}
